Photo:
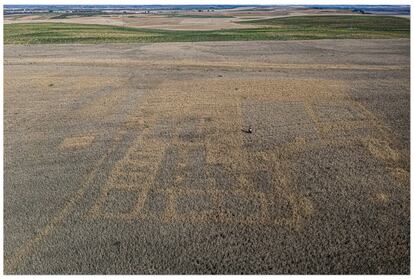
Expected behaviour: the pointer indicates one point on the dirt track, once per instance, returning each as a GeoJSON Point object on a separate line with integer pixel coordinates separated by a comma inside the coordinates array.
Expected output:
{"type": "Point", "coordinates": [131, 158]}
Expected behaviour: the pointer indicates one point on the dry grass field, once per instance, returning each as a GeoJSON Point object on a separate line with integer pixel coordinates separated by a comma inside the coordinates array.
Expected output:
{"type": "Point", "coordinates": [142, 21]}
{"type": "Point", "coordinates": [134, 158]}
{"type": "Point", "coordinates": [172, 20]}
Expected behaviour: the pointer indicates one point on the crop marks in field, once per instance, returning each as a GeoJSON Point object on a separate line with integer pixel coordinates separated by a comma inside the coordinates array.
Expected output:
{"type": "Point", "coordinates": [194, 164]}
{"type": "Point", "coordinates": [77, 142]}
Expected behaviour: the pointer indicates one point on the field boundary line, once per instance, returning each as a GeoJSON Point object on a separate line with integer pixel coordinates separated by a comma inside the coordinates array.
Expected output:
{"type": "Point", "coordinates": [190, 63]}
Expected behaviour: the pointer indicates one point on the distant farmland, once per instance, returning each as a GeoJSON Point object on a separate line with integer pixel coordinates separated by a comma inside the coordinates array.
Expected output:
{"type": "Point", "coordinates": [289, 28]}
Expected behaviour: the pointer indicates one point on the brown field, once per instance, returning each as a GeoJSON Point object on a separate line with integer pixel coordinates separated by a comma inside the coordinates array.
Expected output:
{"type": "Point", "coordinates": [143, 21]}
{"type": "Point", "coordinates": [133, 158]}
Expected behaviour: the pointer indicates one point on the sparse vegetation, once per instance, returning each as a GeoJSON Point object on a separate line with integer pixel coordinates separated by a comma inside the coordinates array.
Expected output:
{"type": "Point", "coordinates": [342, 22]}
{"type": "Point", "coordinates": [289, 28]}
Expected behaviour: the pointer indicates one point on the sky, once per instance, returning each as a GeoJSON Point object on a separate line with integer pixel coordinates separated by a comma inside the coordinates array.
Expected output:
{"type": "Point", "coordinates": [210, 2]}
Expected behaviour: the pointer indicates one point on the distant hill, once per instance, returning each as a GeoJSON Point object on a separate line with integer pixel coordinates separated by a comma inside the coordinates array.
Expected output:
{"type": "Point", "coordinates": [395, 9]}
{"type": "Point", "coordinates": [383, 9]}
